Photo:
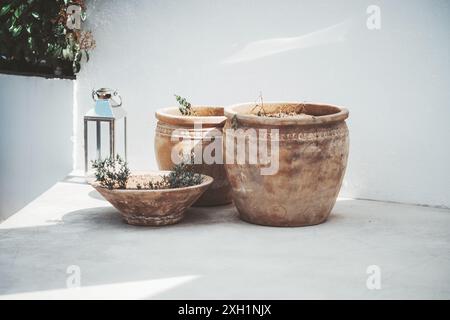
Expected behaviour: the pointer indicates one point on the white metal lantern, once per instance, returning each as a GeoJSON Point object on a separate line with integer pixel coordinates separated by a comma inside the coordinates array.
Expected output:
{"type": "Point", "coordinates": [108, 108]}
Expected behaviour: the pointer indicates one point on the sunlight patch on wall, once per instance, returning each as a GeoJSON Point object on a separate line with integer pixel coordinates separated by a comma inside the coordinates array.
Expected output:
{"type": "Point", "coordinates": [263, 48]}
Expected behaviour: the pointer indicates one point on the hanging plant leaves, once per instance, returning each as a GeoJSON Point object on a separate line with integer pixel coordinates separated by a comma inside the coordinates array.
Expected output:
{"type": "Point", "coordinates": [16, 31]}
{"type": "Point", "coordinates": [18, 12]}
{"type": "Point", "coordinates": [76, 67]}
{"type": "Point", "coordinates": [11, 23]}
{"type": "Point", "coordinates": [33, 34]}
{"type": "Point", "coordinates": [30, 43]}
{"type": "Point", "coordinates": [67, 54]}
{"type": "Point", "coordinates": [5, 9]}
{"type": "Point", "coordinates": [78, 56]}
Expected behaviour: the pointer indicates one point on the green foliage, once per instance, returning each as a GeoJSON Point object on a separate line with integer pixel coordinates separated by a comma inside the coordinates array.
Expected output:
{"type": "Point", "coordinates": [182, 175]}
{"type": "Point", "coordinates": [184, 106]}
{"type": "Point", "coordinates": [234, 122]}
{"type": "Point", "coordinates": [111, 173]}
{"type": "Point", "coordinates": [35, 33]}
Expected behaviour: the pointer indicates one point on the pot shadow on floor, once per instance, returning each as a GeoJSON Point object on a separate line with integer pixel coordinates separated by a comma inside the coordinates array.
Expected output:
{"type": "Point", "coordinates": [103, 245]}
{"type": "Point", "coordinates": [98, 239]}
{"type": "Point", "coordinates": [217, 214]}
{"type": "Point", "coordinates": [194, 216]}
{"type": "Point", "coordinates": [96, 195]}
{"type": "Point", "coordinates": [109, 217]}
{"type": "Point", "coordinates": [335, 217]}
{"type": "Point", "coordinates": [197, 215]}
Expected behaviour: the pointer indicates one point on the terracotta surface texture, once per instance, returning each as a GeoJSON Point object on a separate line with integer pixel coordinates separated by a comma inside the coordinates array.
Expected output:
{"type": "Point", "coordinates": [313, 152]}
{"type": "Point", "coordinates": [177, 133]}
{"type": "Point", "coordinates": [152, 207]}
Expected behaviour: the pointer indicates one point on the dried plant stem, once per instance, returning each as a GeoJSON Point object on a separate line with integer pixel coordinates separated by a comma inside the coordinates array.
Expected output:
{"type": "Point", "coordinates": [262, 111]}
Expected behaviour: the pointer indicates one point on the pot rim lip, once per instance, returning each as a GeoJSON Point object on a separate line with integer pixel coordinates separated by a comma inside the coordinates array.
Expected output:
{"type": "Point", "coordinates": [207, 180]}
{"type": "Point", "coordinates": [288, 121]}
{"type": "Point", "coordinates": [164, 116]}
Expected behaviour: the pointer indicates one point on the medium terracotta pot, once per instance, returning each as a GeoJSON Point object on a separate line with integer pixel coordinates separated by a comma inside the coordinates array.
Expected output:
{"type": "Point", "coordinates": [175, 132]}
{"type": "Point", "coordinates": [313, 151]}
{"type": "Point", "coordinates": [152, 207]}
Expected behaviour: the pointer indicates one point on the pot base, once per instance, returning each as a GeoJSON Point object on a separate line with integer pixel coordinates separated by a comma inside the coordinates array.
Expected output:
{"type": "Point", "coordinates": [281, 224]}
{"type": "Point", "coordinates": [141, 220]}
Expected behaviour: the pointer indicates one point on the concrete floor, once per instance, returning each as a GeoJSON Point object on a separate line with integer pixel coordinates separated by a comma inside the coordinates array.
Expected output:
{"type": "Point", "coordinates": [213, 255]}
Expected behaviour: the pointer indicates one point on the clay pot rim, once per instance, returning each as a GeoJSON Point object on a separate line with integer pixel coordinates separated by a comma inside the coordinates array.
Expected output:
{"type": "Point", "coordinates": [207, 180]}
{"type": "Point", "coordinates": [168, 115]}
{"type": "Point", "coordinates": [339, 116]}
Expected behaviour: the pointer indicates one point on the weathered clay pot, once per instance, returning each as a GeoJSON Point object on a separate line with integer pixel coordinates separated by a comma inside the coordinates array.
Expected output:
{"type": "Point", "coordinates": [175, 132]}
{"type": "Point", "coordinates": [313, 151]}
{"type": "Point", "coordinates": [152, 207]}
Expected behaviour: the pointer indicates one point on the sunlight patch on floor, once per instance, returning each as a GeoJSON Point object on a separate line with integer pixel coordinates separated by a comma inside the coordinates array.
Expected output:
{"type": "Point", "coordinates": [124, 291]}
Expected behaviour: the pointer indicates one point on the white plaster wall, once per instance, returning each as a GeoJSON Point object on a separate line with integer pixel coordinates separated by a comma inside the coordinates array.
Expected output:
{"type": "Point", "coordinates": [395, 81]}
{"type": "Point", "coordinates": [35, 138]}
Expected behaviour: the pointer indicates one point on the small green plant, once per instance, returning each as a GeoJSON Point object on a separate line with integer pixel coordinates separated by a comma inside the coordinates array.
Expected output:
{"type": "Point", "coordinates": [185, 107]}
{"type": "Point", "coordinates": [234, 122]}
{"type": "Point", "coordinates": [182, 175]}
{"type": "Point", "coordinates": [112, 172]}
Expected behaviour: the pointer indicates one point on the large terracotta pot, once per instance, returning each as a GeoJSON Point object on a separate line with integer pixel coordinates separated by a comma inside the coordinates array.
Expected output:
{"type": "Point", "coordinates": [173, 132]}
{"type": "Point", "coordinates": [313, 151]}
{"type": "Point", "coordinates": [146, 207]}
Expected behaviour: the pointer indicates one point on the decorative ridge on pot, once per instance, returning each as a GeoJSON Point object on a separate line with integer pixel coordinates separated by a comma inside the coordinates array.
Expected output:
{"type": "Point", "coordinates": [320, 113]}
{"type": "Point", "coordinates": [208, 116]}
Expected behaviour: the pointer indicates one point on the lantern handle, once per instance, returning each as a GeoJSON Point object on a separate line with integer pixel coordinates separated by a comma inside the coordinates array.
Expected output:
{"type": "Point", "coordinates": [94, 94]}
{"type": "Point", "coordinates": [116, 94]}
